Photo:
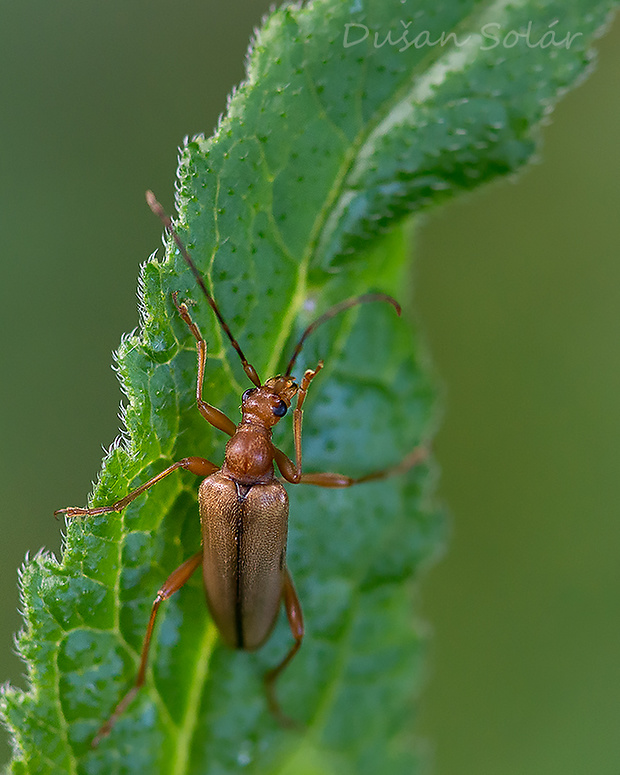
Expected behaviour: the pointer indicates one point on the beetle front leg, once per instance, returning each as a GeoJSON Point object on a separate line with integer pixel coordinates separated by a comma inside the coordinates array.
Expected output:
{"type": "Point", "coordinates": [289, 470]}
{"type": "Point", "coordinates": [294, 614]}
{"type": "Point", "coordinates": [173, 583]}
{"type": "Point", "coordinates": [298, 414]}
{"type": "Point", "coordinates": [212, 414]}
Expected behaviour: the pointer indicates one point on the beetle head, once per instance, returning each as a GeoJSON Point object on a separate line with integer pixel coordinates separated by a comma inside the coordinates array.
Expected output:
{"type": "Point", "coordinates": [268, 403]}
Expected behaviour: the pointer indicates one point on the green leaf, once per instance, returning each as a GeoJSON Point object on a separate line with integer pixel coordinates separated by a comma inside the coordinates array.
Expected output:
{"type": "Point", "coordinates": [298, 201]}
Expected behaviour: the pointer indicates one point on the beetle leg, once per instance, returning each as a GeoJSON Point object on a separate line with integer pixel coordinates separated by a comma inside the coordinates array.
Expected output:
{"type": "Point", "coordinates": [289, 470]}
{"type": "Point", "coordinates": [292, 471]}
{"type": "Point", "coordinates": [211, 414]}
{"type": "Point", "coordinates": [294, 614]}
{"type": "Point", "coordinates": [326, 479]}
{"type": "Point", "coordinates": [298, 414]}
{"type": "Point", "coordinates": [173, 583]}
{"type": "Point", "coordinates": [196, 465]}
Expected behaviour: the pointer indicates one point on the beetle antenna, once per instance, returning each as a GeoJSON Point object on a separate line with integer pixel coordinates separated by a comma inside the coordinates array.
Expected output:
{"type": "Point", "coordinates": [335, 310]}
{"type": "Point", "coordinates": [166, 220]}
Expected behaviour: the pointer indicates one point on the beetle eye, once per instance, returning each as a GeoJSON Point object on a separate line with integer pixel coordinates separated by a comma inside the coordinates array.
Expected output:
{"type": "Point", "coordinates": [247, 393]}
{"type": "Point", "coordinates": [280, 409]}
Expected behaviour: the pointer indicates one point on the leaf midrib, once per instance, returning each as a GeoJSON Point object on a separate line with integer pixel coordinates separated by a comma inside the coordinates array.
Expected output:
{"type": "Point", "coordinates": [188, 726]}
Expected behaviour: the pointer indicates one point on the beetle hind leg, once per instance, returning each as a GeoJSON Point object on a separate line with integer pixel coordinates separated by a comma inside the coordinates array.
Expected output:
{"type": "Point", "coordinates": [172, 584]}
{"type": "Point", "coordinates": [292, 607]}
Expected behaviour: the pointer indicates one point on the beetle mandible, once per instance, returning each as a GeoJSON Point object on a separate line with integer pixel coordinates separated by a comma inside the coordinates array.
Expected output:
{"type": "Point", "coordinates": [243, 506]}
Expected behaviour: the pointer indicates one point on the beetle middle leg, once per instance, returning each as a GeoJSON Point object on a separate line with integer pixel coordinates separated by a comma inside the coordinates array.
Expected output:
{"type": "Point", "coordinates": [292, 606]}
{"type": "Point", "coordinates": [292, 472]}
{"type": "Point", "coordinates": [196, 465]}
{"type": "Point", "coordinates": [328, 479]}
{"type": "Point", "coordinates": [173, 583]}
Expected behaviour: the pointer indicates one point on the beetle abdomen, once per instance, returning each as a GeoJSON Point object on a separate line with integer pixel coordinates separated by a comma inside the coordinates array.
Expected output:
{"type": "Point", "coordinates": [244, 542]}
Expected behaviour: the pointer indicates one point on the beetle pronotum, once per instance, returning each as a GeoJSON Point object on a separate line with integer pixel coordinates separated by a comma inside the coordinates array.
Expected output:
{"type": "Point", "coordinates": [243, 505]}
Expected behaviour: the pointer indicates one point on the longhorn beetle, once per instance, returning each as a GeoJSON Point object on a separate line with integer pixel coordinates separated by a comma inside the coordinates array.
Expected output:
{"type": "Point", "coordinates": [243, 506]}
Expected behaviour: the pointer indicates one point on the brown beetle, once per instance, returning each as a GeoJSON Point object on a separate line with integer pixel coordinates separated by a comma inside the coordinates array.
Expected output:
{"type": "Point", "coordinates": [243, 506]}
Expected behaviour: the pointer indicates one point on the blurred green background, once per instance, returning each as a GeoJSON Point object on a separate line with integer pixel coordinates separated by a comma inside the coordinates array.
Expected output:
{"type": "Point", "coordinates": [518, 291]}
